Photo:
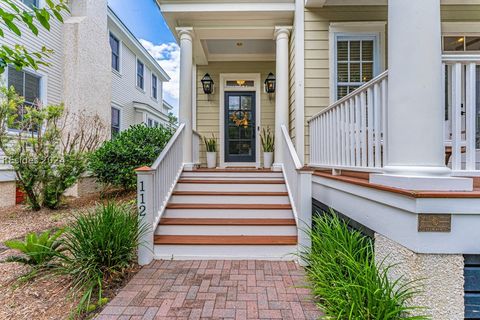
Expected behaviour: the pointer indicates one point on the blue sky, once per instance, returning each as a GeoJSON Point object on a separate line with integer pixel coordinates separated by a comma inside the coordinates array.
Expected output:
{"type": "Point", "coordinates": [144, 19]}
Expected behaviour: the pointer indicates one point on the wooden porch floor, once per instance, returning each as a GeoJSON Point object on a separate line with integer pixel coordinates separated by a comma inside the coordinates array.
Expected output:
{"type": "Point", "coordinates": [362, 179]}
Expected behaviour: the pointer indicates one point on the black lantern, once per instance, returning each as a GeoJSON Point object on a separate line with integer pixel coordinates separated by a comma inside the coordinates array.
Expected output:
{"type": "Point", "coordinates": [270, 83]}
{"type": "Point", "coordinates": [208, 84]}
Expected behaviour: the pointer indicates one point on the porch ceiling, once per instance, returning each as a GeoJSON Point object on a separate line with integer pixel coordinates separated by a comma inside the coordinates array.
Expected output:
{"type": "Point", "coordinates": [230, 30]}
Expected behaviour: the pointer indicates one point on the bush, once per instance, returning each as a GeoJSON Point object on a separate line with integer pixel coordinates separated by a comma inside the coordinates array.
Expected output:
{"type": "Point", "coordinates": [99, 246]}
{"type": "Point", "coordinates": [346, 280]}
{"type": "Point", "coordinates": [48, 148]}
{"type": "Point", "coordinates": [115, 161]}
{"type": "Point", "coordinates": [38, 250]}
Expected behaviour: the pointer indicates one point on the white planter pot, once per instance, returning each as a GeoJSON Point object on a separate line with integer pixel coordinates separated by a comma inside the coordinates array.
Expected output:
{"type": "Point", "coordinates": [211, 160]}
{"type": "Point", "coordinates": [267, 159]}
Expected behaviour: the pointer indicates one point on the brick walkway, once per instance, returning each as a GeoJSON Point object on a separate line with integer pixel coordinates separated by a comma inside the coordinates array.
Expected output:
{"type": "Point", "coordinates": [214, 290]}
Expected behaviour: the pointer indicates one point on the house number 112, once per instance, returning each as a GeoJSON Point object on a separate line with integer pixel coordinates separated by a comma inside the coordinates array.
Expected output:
{"type": "Point", "coordinates": [142, 208]}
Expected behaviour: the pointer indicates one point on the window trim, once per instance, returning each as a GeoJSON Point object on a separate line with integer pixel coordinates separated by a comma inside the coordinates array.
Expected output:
{"type": "Point", "coordinates": [119, 119]}
{"type": "Point", "coordinates": [136, 75]}
{"type": "Point", "coordinates": [375, 29]}
{"type": "Point", "coordinates": [119, 71]}
{"type": "Point", "coordinates": [154, 92]}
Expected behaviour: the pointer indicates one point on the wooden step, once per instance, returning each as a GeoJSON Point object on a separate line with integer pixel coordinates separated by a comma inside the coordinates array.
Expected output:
{"type": "Point", "coordinates": [228, 222]}
{"type": "Point", "coordinates": [252, 181]}
{"type": "Point", "coordinates": [224, 240]}
{"type": "Point", "coordinates": [249, 170]}
{"type": "Point", "coordinates": [220, 193]}
{"type": "Point", "coordinates": [225, 206]}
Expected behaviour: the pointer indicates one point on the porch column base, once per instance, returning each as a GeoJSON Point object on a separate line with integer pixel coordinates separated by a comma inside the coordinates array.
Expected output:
{"type": "Point", "coordinates": [189, 166]}
{"type": "Point", "coordinates": [422, 183]}
{"type": "Point", "coordinates": [277, 167]}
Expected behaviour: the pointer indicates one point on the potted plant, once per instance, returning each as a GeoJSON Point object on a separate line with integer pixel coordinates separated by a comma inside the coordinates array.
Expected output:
{"type": "Point", "coordinates": [268, 144]}
{"type": "Point", "coordinates": [211, 147]}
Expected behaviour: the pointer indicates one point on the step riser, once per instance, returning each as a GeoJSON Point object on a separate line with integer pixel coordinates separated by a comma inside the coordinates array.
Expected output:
{"type": "Point", "coordinates": [231, 187]}
{"type": "Point", "coordinates": [235, 175]}
{"type": "Point", "coordinates": [227, 230]}
{"type": "Point", "coordinates": [231, 199]}
{"type": "Point", "coordinates": [225, 214]}
{"type": "Point", "coordinates": [234, 252]}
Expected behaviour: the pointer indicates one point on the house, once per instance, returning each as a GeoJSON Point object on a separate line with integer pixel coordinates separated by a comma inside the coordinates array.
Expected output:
{"type": "Point", "coordinates": [375, 114]}
{"type": "Point", "coordinates": [110, 74]}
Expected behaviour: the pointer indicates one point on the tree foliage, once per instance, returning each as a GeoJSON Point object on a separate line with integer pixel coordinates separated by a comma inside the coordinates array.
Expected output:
{"type": "Point", "coordinates": [46, 146]}
{"type": "Point", "coordinates": [15, 19]}
{"type": "Point", "coordinates": [114, 163]}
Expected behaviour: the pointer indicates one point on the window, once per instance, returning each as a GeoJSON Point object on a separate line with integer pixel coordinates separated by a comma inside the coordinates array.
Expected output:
{"type": "Point", "coordinates": [154, 87]}
{"type": "Point", "coordinates": [355, 63]}
{"type": "Point", "coordinates": [461, 43]}
{"type": "Point", "coordinates": [115, 121]}
{"type": "Point", "coordinates": [31, 3]}
{"type": "Point", "coordinates": [140, 75]}
{"type": "Point", "coordinates": [115, 46]}
{"type": "Point", "coordinates": [26, 85]}
{"type": "Point", "coordinates": [152, 123]}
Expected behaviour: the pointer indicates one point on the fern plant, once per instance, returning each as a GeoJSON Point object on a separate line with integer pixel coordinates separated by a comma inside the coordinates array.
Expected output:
{"type": "Point", "coordinates": [38, 250]}
{"type": "Point", "coordinates": [268, 140]}
{"type": "Point", "coordinates": [210, 144]}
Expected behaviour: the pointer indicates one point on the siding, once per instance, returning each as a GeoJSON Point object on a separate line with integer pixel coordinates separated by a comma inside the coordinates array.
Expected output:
{"type": "Point", "coordinates": [53, 39]}
{"type": "Point", "coordinates": [124, 88]}
{"type": "Point", "coordinates": [317, 21]}
{"type": "Point", "coordinates": [208, 112]}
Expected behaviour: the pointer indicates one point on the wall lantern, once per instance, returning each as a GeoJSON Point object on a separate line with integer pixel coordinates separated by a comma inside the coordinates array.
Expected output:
{"type": "Point", "coordinates": [208, 84]}
{"type": "Point", "coordinates": [270, 83]}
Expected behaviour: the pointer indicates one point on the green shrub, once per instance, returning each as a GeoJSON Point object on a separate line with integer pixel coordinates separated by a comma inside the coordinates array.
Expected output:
{"type": "Point", "coordinates": [38, 250]}
{"type": "Point", "coordinates": [345, 279]}
{"type": "Point", "coordinates": [100, 245]}
{"type": "Point", "coordinates": [115, 161]}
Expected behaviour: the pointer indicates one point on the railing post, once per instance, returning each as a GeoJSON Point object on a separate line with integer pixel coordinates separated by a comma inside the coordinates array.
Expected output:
{"type": "Point", "coordinates": [145, 207]}
{"type": "Point", "coordinates": [304, 210]}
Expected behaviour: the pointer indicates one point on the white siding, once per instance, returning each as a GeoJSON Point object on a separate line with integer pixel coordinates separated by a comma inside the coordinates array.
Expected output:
{"type": "Point", "coordinates": [53, 39]}
{"type": "Point", "coordinates": [124, 83]}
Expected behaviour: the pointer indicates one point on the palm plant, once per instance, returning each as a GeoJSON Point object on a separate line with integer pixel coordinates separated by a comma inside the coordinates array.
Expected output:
{"type": "Point", "coordinates": [268, 140]}
{"type": "Point", "coordinates": [38, 250]}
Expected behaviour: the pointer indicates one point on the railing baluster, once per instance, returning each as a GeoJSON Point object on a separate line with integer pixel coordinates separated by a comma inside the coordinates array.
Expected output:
{"type": "Point", "coordinates": [370, 148]}
{"type": "Point", "coordinates": [363, 137]}
{"type": "Point", "coordinates": [377, 114]}
{"type": "Point", "coordinates": [457, 116]}
{"type": "Point", "coordinates": [352, 131]}
{"type": "Point", "coordinates": [358, 152]}
{"type": "Point", "coordinates": [470, 125]}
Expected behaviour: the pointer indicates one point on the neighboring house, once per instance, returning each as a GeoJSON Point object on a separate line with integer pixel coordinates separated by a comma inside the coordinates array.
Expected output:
{"type": "Point", "coordinates": [98, 66]}
{"type": "Point", "coordinates": [369, 143]}
{"type": "Point", "coordinates": [137, 78]}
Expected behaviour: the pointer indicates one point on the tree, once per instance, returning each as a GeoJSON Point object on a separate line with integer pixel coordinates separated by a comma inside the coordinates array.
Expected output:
{"type": "Point", "coordinates": [48, 149]}
{"type": "Point", "coordinates": [33, 19]}
{"type": "Point", "coordinates": [172, 121]}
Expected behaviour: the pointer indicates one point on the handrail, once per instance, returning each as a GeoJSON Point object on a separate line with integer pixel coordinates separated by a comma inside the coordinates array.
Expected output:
{"type": "Point", "coordinates": [371, 83]}
{"type": "Point", "coordinates": [452, 58]}
{"type": "Point", "coordinates": [291, 148]}
{"type": "Point", "coordinates": [168, 147]}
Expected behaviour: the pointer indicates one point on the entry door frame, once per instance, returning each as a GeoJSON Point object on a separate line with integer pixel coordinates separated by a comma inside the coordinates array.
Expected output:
{"type": "Point", "coordinates": [224, 77]}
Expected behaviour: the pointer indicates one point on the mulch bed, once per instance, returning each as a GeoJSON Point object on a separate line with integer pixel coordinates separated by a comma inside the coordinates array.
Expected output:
{"type": "Point", "coordinates": [45, 297]}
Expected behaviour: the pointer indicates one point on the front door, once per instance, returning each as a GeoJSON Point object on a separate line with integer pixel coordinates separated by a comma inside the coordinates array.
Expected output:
{"type": "Point", "coordinates": [240, 124]}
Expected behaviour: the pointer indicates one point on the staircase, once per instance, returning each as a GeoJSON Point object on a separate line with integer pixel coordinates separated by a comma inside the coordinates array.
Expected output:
{"type": "Point", "coordinates": [227, 214]}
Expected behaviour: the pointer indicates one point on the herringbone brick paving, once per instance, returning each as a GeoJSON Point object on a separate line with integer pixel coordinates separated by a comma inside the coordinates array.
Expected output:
{"type": "Point", "coordinates": [214, 290]}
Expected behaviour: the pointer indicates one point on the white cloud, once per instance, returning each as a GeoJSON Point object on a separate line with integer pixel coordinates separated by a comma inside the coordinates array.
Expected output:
{"type": "Point", "coordinates": [168, 56]}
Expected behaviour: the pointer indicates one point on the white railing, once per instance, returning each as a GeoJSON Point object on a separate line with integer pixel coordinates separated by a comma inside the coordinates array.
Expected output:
{"type": "Point", "coordinates": [350, 133]}
{"type": "Point", "coordinates": [155, 186]}
{"type": "Point", "coordinates": [462, 74]}
{"type": "Point", "coordinates": [166, 171]}
{"type": "Point", "coordinates": [197, 139]}
{"type": "Point", "coordinates": [299, 186]}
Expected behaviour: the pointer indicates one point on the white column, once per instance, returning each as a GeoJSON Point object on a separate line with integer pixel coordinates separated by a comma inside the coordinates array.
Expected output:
{"type": "Point", "coordinates": [185, 100]}
{"type": "Point", "coordinates": [415, 117]}
{"type": "Point", "coordinates": [281, 92]}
